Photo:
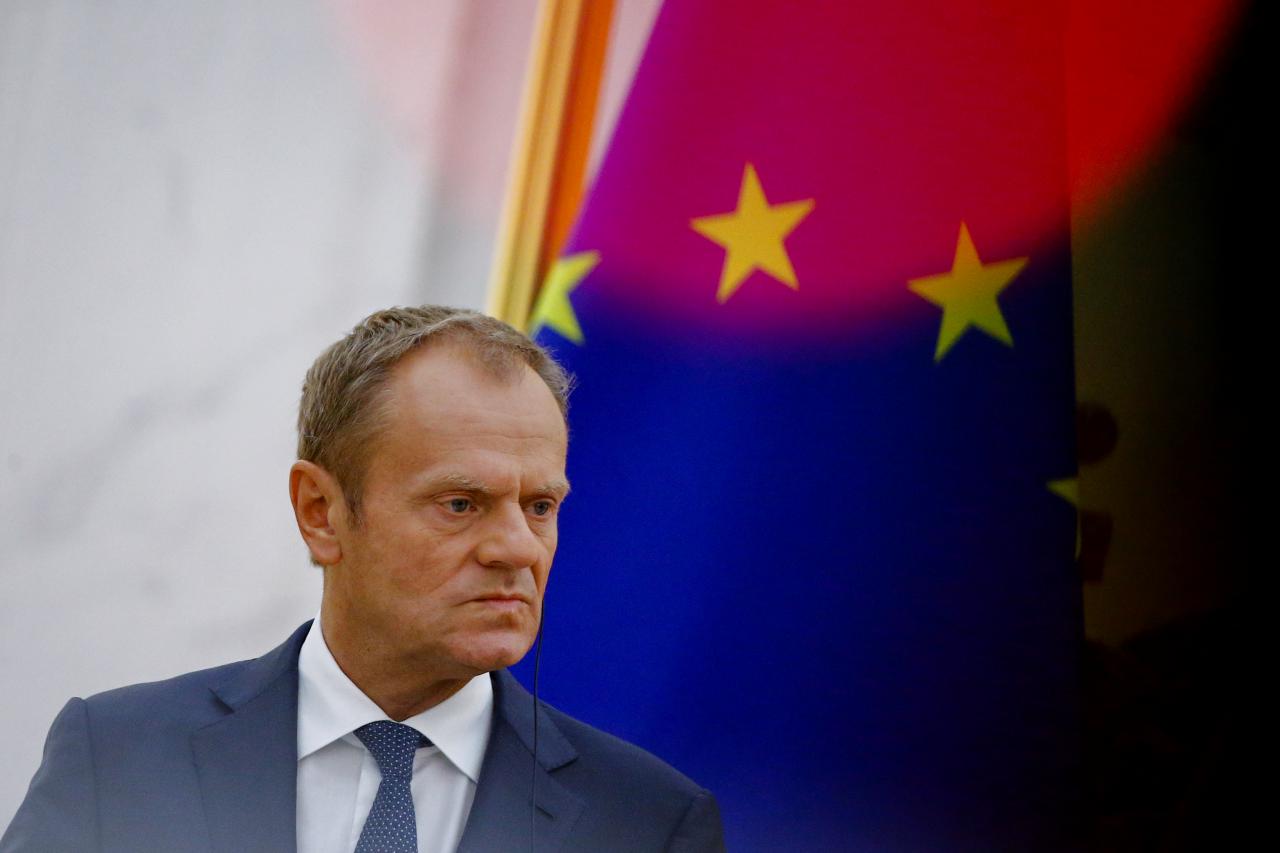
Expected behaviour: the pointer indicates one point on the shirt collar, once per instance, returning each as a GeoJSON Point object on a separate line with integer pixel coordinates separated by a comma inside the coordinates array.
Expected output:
{"type": "Point", "coordinates": [331, 706]}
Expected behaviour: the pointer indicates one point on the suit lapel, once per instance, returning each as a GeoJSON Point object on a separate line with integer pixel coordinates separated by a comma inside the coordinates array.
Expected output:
{"type": "Point", "coordinates": [247, 761]}
{"type": "Point", "coordinates": [502, 815]}
{"type": "Point", "coordinates": [247, 765]}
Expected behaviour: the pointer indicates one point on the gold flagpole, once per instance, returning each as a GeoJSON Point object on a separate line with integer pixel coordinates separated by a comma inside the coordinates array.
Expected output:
{"type": "Point", "coordinates": [549, 157]}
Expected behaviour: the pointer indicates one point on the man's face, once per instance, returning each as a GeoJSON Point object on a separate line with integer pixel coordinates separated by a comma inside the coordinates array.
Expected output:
{"type": "Point", "coordinates": [449, 560]}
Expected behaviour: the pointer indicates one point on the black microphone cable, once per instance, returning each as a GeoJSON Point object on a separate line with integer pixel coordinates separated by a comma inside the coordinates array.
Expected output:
{"type": "Point", "coordinates": [533, 775]}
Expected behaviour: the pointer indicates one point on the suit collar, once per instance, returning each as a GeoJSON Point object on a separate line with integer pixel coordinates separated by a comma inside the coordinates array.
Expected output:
{"type": "Point", "coordinates": [503, 814]}
{"type": "Point", "coordinates": [247, 764]}
{"type": "Point", "coordinates": [514, 704]}
{"type": "Point", "coordinates": [247, 760]}
{"type": "Point", "coordinates": [249, 681]}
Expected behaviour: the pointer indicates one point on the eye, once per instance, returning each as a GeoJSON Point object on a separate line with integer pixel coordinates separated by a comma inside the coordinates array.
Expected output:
{"type": "Point", "coordinates": [459, 505]}
{"type": "Point", "coordinates": [542, 508]}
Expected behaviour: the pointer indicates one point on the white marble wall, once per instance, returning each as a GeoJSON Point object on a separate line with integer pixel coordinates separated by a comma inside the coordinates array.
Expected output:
{"type": "Point", "coordinates": [196, 198]}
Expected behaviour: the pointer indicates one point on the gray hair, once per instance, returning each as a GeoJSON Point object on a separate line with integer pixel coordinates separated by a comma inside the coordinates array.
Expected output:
{"type": "Point", "coordinates": [343, 402]}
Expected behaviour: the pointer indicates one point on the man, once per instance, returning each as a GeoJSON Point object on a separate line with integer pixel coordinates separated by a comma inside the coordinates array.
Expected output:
{"type": "Point", "coordinates": [431, 465]}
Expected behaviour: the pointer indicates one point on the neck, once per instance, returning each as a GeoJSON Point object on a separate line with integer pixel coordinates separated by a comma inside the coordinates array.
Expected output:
{"type": "Point", "coordinates": [400, 685]}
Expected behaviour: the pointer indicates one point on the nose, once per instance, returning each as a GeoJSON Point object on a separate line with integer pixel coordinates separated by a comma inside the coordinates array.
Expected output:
{"type": "Point", "coordinates": [508, 541]}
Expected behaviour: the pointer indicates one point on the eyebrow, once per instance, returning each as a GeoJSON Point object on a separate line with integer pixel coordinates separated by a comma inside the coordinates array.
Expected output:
{"type": "Point", "coordinates": [463, 483]}
{"type": "Point", "coordinates": [556, 487]}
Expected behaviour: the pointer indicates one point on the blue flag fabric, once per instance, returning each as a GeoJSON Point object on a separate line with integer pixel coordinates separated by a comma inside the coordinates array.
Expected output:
{"type": "Point", "coordinates": [819, 554]}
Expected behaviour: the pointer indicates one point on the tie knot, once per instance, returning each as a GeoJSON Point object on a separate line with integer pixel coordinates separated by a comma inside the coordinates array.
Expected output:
{"type": "Point", "coordinates": [392, 746]}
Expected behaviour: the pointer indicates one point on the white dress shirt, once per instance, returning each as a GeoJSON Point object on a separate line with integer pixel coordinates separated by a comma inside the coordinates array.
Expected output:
{"type": "Point", "coordinates": [338, 778]}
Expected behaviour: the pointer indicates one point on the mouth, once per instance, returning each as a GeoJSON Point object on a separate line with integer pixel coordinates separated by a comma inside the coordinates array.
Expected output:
{"type": "Point", "coordinates": [502, 601]}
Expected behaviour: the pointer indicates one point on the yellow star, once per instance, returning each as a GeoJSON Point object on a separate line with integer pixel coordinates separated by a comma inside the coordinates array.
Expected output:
{"type": "Point", "coordinates": [752, 235]}
{"type": "Point", "coordinates": [1068, 489]}
{"type": "Point", "coordinates": [967, 294]}
{"type": "Point", "coordinates": [554, 310]}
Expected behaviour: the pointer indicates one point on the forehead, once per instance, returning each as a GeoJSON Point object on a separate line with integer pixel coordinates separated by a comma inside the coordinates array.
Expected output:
{"type": "Point", "coordinates": [442, 402]}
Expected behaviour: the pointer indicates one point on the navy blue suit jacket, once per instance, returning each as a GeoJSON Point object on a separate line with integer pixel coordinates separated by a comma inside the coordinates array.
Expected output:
{"type": "Point", "coordinates": [207, 762]}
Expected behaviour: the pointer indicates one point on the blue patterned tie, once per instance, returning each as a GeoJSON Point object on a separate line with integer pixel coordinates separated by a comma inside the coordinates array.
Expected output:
{"type": "Point", "coordinates": [391, 826]}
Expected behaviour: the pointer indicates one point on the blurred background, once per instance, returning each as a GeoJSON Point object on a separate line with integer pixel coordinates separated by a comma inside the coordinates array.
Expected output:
{"type": "Point", "coordinates": [1169, 366]}
{"type": "Point", "coordinates": [195, 199]}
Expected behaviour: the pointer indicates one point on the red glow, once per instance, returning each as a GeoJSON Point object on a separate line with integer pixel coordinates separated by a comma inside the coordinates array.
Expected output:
{"type": "Point", "coordinates": [1131, 67]}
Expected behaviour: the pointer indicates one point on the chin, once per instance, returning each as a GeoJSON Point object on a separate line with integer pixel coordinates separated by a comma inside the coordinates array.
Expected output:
{"type": "Point", "coordinates": [490, 652]}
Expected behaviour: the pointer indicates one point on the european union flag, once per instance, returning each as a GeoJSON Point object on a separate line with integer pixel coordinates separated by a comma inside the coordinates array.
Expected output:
{"type": "Point", "coordinates": [818, 554]}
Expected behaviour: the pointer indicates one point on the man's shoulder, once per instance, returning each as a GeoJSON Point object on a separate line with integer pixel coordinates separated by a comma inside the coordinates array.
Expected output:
{"type": "Point", "coordinates": [189, 698]}
{"type": "Point", "coordinates": [612, 757]}
{"type": "Point", "coordinates": [596, 764]}
{"type": "Point", "coordinates": [636, 800]}
{"type": "Point", "coordinates": [198, 697]}
{"type": "Point", "coordinates": [188, 683]}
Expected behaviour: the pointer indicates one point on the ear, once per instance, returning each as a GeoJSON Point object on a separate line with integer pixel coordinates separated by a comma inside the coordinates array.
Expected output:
{"type": "Point", "coordinates": [317, 502]}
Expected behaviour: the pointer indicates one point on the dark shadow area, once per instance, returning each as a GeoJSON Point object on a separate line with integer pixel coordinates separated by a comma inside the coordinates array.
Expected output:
{"type": "Point", "coordinates": [1172, 740]}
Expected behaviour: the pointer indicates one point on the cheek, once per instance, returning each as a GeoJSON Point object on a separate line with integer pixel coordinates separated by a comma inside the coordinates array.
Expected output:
{"type": "Point", "coordinates": [543, 571]}
{"type": "Point", "coordinates": [550, 537]}
{"type": "Point", "coordinates": [426, 565]}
